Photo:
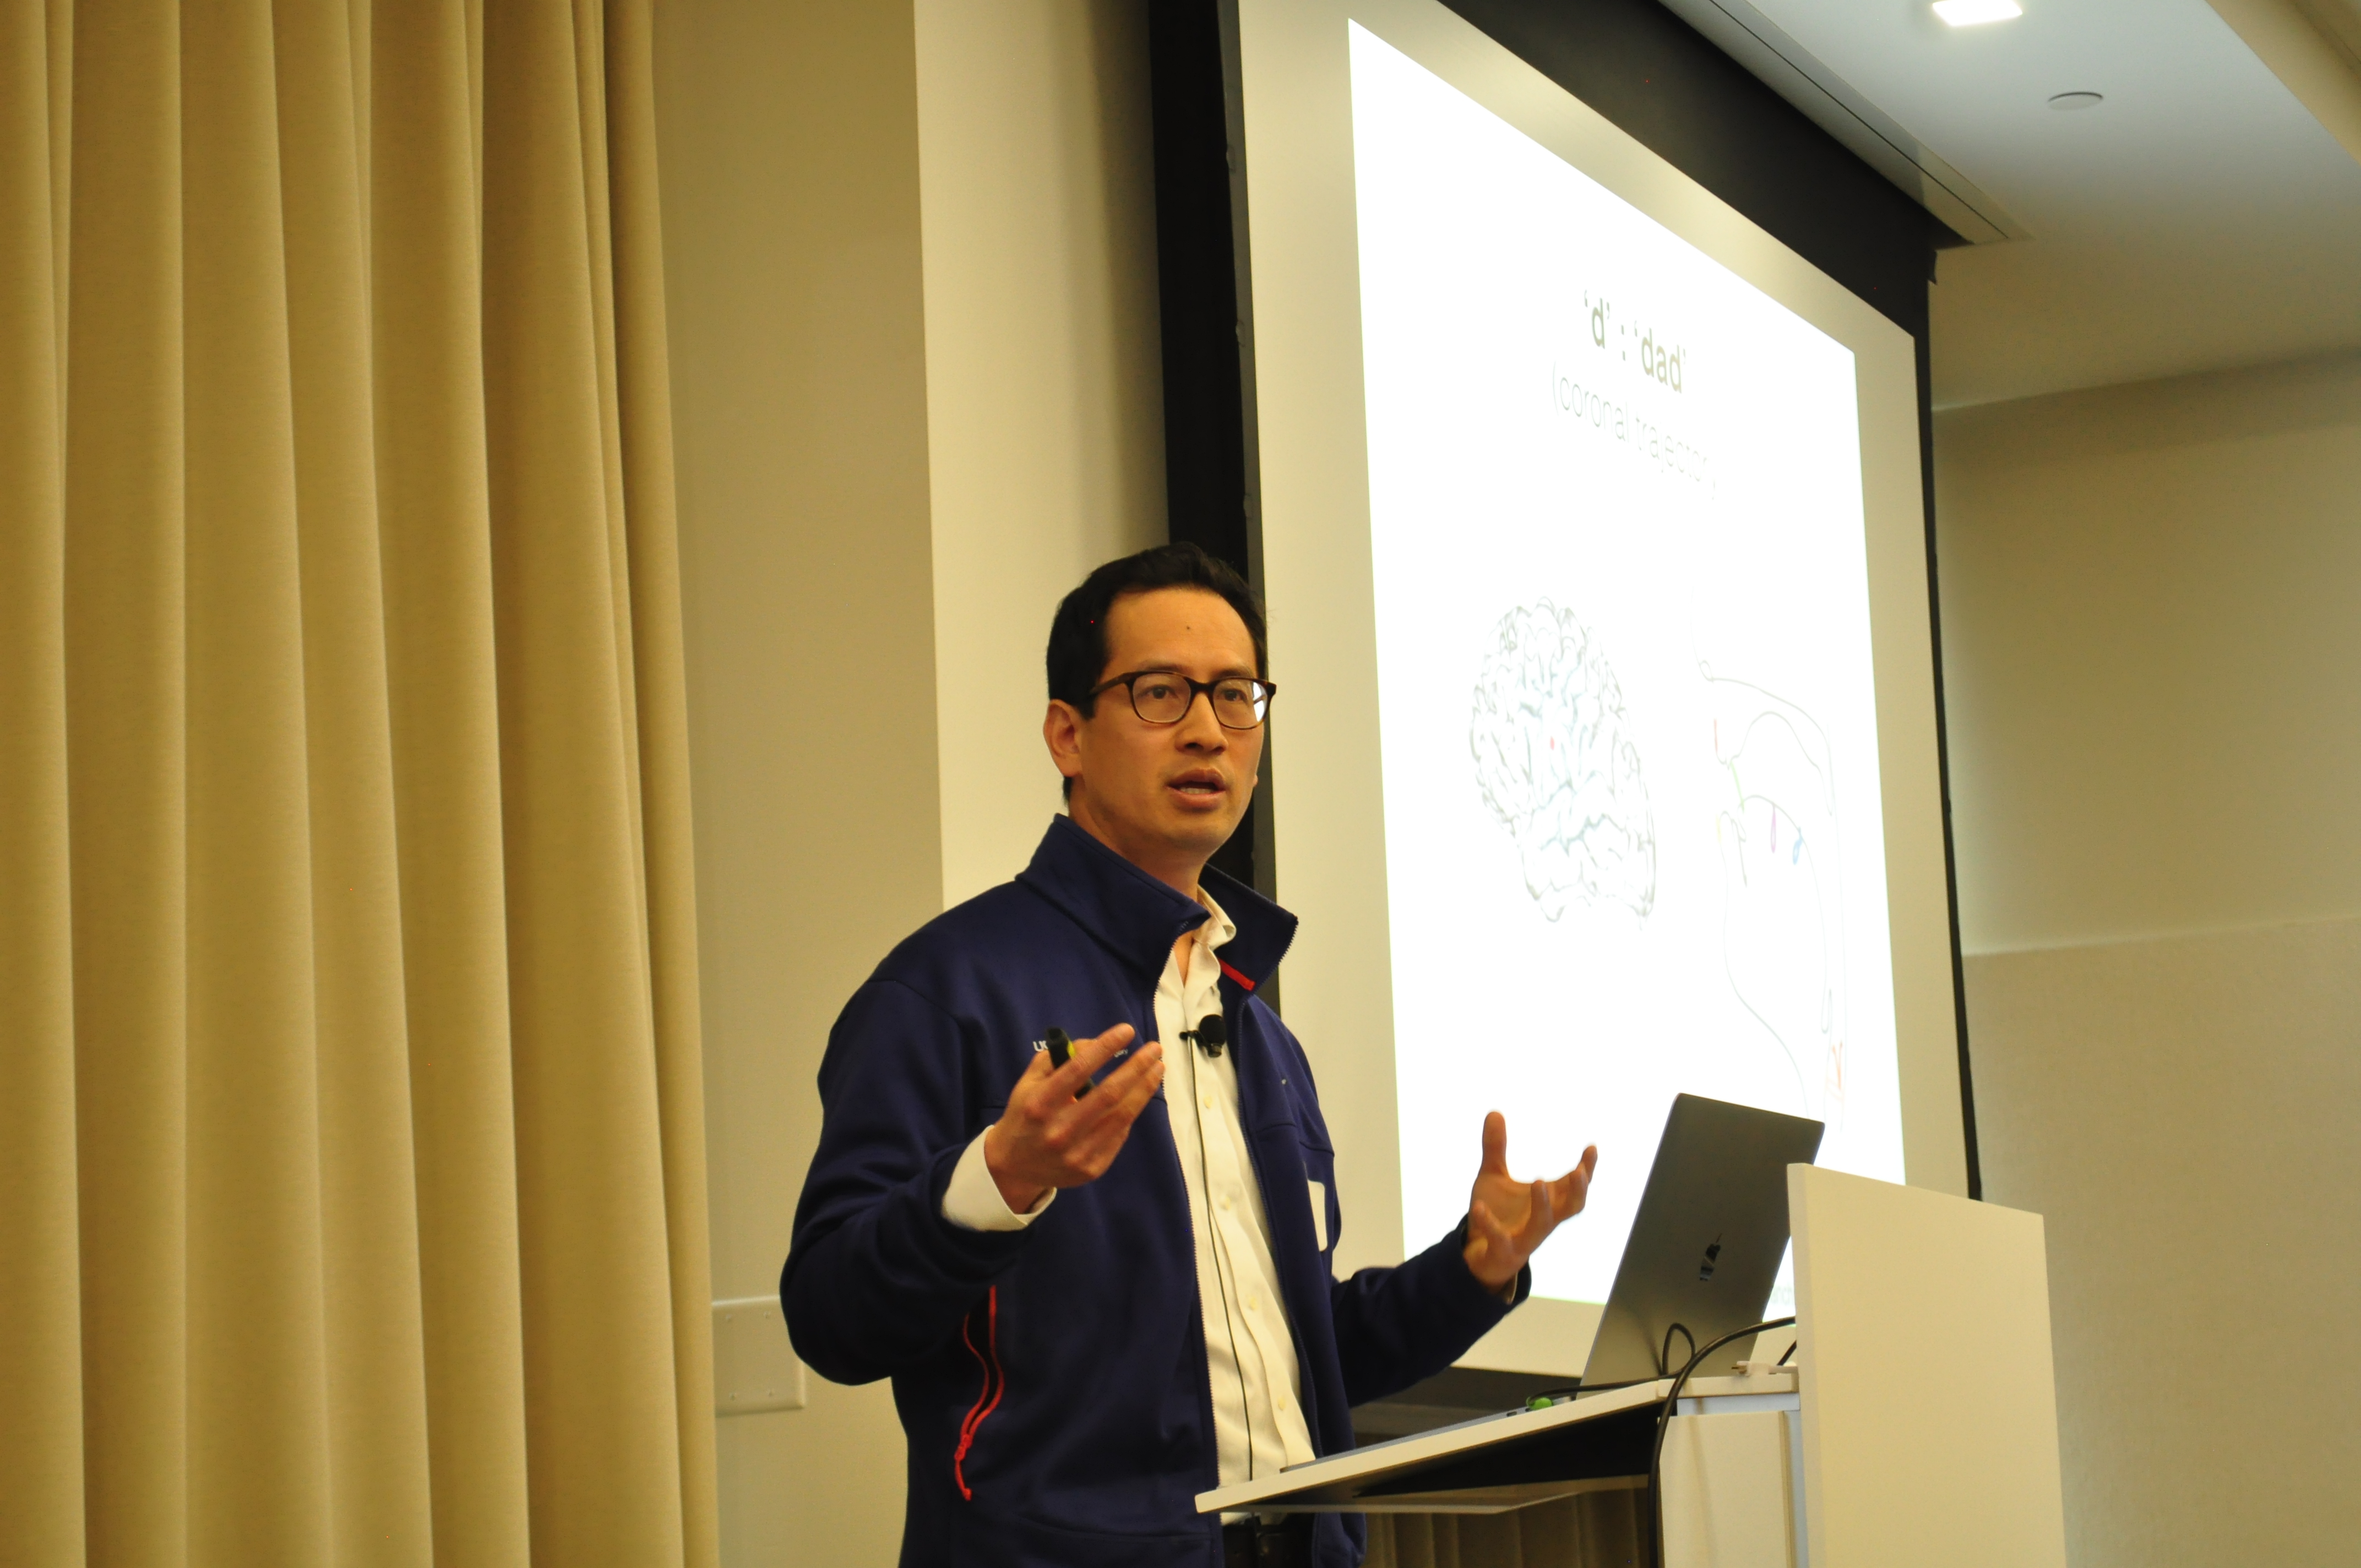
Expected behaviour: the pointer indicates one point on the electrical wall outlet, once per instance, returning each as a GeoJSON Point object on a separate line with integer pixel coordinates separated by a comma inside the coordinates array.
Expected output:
{"type": "Point", "coordinates": [755, 1367]}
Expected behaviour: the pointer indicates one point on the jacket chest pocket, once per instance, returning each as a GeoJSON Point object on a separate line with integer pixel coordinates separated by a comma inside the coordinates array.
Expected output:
{"type": "Point", "coordinates": [1320, 1193]}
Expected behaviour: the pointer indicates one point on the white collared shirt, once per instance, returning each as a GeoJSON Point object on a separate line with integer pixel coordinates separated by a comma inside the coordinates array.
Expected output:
{"type": "Point", "coordinates": [1259, 1423]}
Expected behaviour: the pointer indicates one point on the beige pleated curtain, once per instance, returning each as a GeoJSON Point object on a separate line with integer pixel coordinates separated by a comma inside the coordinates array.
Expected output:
{"type": "Point", "coordinates": [352, 1195]}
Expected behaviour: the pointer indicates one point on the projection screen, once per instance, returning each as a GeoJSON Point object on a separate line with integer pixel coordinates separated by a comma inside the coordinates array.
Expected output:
{"type": "Point", "coordinates": [1592, 532]}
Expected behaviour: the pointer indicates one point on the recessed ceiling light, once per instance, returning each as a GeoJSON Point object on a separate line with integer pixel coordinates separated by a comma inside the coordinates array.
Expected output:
{"type": "Point", "coordinates": [1975, 13]}
{"type": "Point", "coordinates": [2076, 101]}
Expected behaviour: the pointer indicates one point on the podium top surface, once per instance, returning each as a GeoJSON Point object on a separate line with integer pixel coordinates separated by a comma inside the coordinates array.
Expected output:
{"type": "Point", "coordinates": [1591, 1432]}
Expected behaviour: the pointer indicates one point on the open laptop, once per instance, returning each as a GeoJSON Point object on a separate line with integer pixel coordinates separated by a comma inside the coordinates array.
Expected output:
{"type": "Point", "coordinates": [1706, 1242]}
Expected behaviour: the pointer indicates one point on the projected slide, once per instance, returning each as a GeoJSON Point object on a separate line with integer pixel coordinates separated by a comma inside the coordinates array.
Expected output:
{"type": "Point", "coordinates": [1633, 838]}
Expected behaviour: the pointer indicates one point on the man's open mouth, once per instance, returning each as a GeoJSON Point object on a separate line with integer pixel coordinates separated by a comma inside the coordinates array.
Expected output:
{"type": "Point", "coordinates": [1194, 783]}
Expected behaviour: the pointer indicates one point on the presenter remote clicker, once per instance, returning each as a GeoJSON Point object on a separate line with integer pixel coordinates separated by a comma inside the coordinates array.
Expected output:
{"type": "Point", "coordinates": [1061, 1051]}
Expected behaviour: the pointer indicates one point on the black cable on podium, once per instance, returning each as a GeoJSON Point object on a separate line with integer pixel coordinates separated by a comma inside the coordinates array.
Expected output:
{"type": "Point", "coordinates": [1664, 1421]}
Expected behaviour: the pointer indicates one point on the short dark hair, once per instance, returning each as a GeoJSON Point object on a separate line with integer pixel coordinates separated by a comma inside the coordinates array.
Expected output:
{"type": "Point", "coordinates": [1078, 644]}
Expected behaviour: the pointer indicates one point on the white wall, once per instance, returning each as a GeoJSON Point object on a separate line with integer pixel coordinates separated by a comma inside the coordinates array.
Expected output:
{"type": "Point", "coordinates": [911, 277]}
{"type": "Point", "coordinates": [2181, 1109]}
{"type": "Point", "coordinates": [1044, 374]}
{"type": "Point", "coordinates": [2152, 641]}
{"type": "Point", "coordinates": [2152, 622]}
{"type": "Point", "coordinates": [789, 148]}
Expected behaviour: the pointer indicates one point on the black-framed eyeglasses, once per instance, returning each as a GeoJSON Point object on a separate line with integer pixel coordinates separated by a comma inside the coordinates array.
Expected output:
{"type": "Point", "coordinates": [1165, 696]}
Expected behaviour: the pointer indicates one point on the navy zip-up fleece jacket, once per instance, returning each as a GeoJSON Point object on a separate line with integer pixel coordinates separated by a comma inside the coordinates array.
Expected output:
{"type": "Point", "coordinates": [1052, 1381]}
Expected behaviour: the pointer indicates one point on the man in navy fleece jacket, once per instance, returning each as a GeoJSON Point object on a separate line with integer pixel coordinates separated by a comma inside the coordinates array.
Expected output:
{"type": "Point", "coordinates": [1104, 1287]}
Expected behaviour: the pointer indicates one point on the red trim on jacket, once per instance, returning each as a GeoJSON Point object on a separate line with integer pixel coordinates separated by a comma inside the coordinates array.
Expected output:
{"type": "Point", "coordinates": [995, 1384]}
{"type": "Point", "coordinates": [1233, 974]}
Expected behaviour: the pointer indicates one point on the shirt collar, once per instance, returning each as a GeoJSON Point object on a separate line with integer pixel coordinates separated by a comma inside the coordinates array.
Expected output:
{"type": "Point", "coordinates": [1219, 928]}
{"type": "Point", "coordinates": [1137, 918]}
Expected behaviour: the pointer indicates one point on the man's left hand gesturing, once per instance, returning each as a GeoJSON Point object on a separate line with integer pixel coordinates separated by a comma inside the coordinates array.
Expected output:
{"type": "Point", "coordinates": [1508, 1218]}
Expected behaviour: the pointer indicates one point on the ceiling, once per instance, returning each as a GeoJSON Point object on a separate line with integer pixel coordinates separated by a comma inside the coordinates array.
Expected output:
{"type": "Point", "coordinates": [2200, 218]}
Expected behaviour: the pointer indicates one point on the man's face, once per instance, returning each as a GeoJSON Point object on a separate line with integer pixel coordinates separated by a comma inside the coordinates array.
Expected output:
{"type": "Point", "coordinates": [1165, 797]}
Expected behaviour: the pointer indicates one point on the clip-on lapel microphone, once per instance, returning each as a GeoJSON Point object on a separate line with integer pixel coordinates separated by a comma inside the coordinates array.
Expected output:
{"type": "Point", "coordinates": [1211, 1034]}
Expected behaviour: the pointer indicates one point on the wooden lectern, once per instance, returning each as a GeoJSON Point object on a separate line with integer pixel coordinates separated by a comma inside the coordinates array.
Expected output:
{"type": "Point", "coordinates": [1919, 1424]}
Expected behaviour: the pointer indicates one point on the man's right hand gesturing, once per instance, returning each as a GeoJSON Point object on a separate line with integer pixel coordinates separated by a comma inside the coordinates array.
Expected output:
{"type": "Point", "coordinates": [1054, 1136]}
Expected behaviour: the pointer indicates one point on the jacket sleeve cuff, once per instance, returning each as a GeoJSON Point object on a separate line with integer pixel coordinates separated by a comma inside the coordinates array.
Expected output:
{"type": "Point", "coordinates": [972, 1201]}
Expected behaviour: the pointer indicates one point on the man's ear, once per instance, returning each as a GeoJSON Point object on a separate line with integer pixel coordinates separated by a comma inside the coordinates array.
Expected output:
{"type": "Point", "coordinates": [1061, 732]}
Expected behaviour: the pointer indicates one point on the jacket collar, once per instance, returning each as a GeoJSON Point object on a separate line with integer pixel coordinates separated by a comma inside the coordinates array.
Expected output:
{"type": "Point", "coordinates": [1137, 918]}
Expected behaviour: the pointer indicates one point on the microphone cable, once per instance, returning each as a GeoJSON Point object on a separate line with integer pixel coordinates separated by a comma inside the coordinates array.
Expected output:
{"type": "Point", "coordinates": [1672, 1405]}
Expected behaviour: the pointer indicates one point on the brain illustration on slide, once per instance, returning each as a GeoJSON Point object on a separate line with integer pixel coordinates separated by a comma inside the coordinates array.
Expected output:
{"type": "Point", "coordinates": [1556, 767]}
{"type": "Point", "coordinates": [1782, 936]}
